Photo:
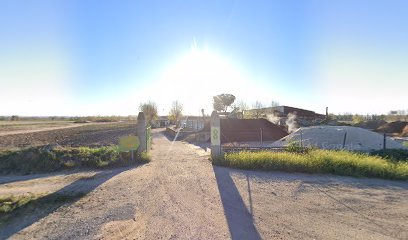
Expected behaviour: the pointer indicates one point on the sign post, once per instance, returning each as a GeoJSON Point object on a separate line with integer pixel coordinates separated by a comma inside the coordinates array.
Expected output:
{"type": "Point", "coordinates": [129, 143]}
{"type": "Point", "coordinates": [215, 135]}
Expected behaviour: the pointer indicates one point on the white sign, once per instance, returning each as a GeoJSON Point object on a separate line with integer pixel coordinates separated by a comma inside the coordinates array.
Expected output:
{"type": "Point", "coordinates": [215, 136]}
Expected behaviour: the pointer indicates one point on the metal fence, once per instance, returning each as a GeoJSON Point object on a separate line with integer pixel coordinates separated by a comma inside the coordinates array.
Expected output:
{"type": "Point", "coordinates": [148, 138]}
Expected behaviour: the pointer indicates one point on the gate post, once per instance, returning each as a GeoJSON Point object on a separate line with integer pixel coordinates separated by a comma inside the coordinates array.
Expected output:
{"type": "Point", "coordinates": [141, 132]}
{"type": "Point", "coordinates": [215, 135]}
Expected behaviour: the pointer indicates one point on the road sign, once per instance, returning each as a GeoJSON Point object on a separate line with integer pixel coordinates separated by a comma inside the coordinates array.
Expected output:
{"type": "Point", "coordinates": [128, 143]}
{"type": "Point", "coordinates": [215, 136]}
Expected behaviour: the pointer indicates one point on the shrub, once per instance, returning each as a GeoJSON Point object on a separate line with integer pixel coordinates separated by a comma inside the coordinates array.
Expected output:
{"type": "Point", "coordinates": [392, 154]}
{"type": "Point", "coordinates": [39, 160]}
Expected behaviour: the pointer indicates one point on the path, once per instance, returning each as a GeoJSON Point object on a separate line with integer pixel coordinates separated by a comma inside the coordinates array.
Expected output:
{"type": "Point", "coordinates": [180, 195]}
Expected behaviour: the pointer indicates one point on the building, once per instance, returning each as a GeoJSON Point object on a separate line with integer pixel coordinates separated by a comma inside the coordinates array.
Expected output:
{"type": "Point", "coordinates": [161, 121]}
{"type": "Point", "coordinates": [194, 123]}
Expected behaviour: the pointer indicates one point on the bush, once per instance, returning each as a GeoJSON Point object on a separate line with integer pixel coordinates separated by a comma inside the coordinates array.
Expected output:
{"type": "Point", "coordinates": [41, 160]}
{"type": "Point", "coordinates": [392, 154]}
{"type": "Point", "coordinates": [318, 161]}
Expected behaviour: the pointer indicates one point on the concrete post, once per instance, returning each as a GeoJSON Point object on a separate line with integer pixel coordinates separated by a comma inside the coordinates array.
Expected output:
{"type": "Point", "coordinates": [141, 132]}
{"type": "Point", "coordinates": [215, 135]}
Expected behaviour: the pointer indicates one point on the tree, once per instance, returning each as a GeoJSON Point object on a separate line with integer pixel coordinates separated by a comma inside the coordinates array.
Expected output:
{"type": "Point", "coordinates": [150, 111]}
{"type": "Point", "coordinates": [274, 103]}
{"type": "Point", "coordinates": [222, 102]}
{"type": "Point", "coordinates": [258, 109]}
{"type": "Point", "coordinates": [242, 105]}
{"type": "Point", "coordinates": [176, 111]}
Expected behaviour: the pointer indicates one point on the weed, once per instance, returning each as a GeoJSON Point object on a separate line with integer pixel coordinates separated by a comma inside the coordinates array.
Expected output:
{"type": "Point", "coordinates": [318, 161]}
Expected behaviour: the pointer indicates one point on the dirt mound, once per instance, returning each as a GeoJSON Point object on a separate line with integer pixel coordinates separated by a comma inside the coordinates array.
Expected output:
{"type": "Point", "coordinates": [332, 137]}
{"type": "Point", "coordinates": [372, 124]}
{"type": "Point", "coordinates": [404, 132]}
{"type": "Point", "coordinates": [392, 127]}
{"type": "Point", "coordinates": [244, 130]}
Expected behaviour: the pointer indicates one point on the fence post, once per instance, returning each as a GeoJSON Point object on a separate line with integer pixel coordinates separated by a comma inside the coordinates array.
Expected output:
{"type": "Point", "coordinates": [344, 139]}
{"type": "Point", "coordinates": [141, 132]}
{"type": "Point", "coordinates": [215, 135]}
{"type": "Point", "coordinates": [385, 142]}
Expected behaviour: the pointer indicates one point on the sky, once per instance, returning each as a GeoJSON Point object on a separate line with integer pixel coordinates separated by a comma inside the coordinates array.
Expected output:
{"type": "Point", "coordinates": [83, 57]}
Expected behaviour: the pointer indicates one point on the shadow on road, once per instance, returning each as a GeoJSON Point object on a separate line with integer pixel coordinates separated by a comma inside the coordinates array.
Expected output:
{"type": "Point", "coordinates": [240, 220]}
{"type": "Point", "coordinates": [32, 212]}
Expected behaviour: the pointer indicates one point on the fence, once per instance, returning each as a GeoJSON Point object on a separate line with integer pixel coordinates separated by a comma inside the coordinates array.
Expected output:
{"type": "Point", "coordinates": [148, 138]}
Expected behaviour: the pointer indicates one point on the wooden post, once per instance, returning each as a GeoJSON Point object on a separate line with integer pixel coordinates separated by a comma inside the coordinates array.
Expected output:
{"type": "Point", "coordinates": [344, 139]}
{"type": "Point", "coordinates": [385, 142]}
{"type": "Point", "coordinates": [215, 135]}
{"type": "Point", "coordinates": [141, 132]}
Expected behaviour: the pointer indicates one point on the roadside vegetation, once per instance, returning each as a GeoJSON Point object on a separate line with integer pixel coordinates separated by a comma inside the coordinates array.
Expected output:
{"type": "Point", "coordinates": [15, 207]}
{"type": "Point", "coordinates": [387, 164]}
{"type": "Point", "coordinates": [48, 159]}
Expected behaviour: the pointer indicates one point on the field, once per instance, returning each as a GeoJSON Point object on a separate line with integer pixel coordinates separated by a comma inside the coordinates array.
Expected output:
{"type": "Point", "coordinates": [67, 134]}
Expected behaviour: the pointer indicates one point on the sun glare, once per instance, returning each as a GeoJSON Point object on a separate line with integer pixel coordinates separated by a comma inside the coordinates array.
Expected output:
{"type": "Point", "coordinates": [197, 76]}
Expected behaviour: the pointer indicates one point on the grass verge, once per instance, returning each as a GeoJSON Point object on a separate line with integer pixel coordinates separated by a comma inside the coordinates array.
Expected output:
{"type": "Point", "coordinates": [46, 159]}
{"type": "Point", "coordinates": [14, 207]}
{"type": "Point", "coordinates": [318, 161]}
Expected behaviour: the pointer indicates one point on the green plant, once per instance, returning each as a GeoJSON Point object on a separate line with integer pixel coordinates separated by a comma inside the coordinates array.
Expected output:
{"type": "Point", "coordinates": [392, 154]}
{"type": "Point", "coordinates": [38, 160]}
{"type": "Point", "coordinates": [318, 161]}
{"type": "Point", "coordinates": [296, 147]}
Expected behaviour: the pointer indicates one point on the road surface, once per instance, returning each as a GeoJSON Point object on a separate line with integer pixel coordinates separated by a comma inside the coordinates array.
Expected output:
{"type": "Point", "coordinates": [180, 195]}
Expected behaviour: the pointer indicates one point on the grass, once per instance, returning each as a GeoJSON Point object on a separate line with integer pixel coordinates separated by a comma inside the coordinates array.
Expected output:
{"type": "Point", "coordinates": [42, 160]}
{"type": "Point", "coordinates": [16, 207]}
{"type": "Point", "coordinates": [10, 203]}
{"type": "Point", "coordinates": [405, 144]}
{"type": "Point", "coordinates": [318, 161]}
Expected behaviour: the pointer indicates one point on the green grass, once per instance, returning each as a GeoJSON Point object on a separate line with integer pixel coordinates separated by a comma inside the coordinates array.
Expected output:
{"type": "Point", "coordinates": [13, 207]}
{"type": "Point", "coordinates": [318, 161]}
{"type": "Point", "coordinates": [405, 144]}
{"type": "Point", "coordinates": [10, 203]}
{"type": "Point", "coordinates": [42, 160]}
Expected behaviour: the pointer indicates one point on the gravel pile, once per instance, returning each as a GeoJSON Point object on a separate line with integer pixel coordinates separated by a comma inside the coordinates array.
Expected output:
{"type": "Point", "coordinates": [332, 137]}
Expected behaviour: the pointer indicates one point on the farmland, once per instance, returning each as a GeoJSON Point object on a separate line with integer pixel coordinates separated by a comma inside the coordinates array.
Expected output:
{"type": "Point", "coordinates": [69, 134]}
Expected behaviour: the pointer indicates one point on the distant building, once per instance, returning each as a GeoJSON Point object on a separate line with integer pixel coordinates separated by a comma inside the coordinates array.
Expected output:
{"type": "Point", "coordinates": [161, 121]}
{"type": "Point", "coordinates": [195, 123]}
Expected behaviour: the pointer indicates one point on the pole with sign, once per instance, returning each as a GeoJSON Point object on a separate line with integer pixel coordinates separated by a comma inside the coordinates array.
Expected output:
{"type": "Point", "coordinates": [215, 135]}
{"type": "Point", "coordinates": [129, 143]}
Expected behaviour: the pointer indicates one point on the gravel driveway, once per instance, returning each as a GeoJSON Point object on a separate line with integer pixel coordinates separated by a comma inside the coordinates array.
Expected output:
{"type": "Point", "coordinates": [180, 195]}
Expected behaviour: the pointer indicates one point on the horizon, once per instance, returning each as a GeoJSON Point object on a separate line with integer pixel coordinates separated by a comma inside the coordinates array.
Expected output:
{"type": "Point", "coordinates": [75, 58]}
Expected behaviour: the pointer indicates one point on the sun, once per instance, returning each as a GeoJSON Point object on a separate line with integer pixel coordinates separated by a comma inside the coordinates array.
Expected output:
{"type": "Point", "coordinates": [197, 76]}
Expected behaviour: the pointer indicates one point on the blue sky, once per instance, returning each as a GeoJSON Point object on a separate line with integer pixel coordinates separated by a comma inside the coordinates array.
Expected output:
{"type": "Point", "coordinates": [106, 57]}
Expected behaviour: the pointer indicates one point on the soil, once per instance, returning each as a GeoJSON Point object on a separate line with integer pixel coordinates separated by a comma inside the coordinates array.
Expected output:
{"type": "Point", "coordinates": [180, 195]}
{"type": "Point", "coordinates": [404, 132]}
{"type": "Point", "coordinates": [92, 135]}
{"type": "Point", "coordinates": [392, 127]}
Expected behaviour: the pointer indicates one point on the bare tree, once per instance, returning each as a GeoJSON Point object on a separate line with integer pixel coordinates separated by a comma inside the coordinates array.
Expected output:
{"type": "Point", "coordinates": [150, 111]}
{"type": "Point", "coordinates": [176, 112]}
{"type": "Point", "coordinates": [258, 109]}
{"type": "Point", "coordinates": [274, 103]}
{"type": "Point", "coordinates": [241, 105]}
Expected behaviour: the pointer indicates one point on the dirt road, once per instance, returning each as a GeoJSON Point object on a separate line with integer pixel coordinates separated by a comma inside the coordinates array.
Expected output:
{"type": "Point", "coordinates": [180, 195]}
